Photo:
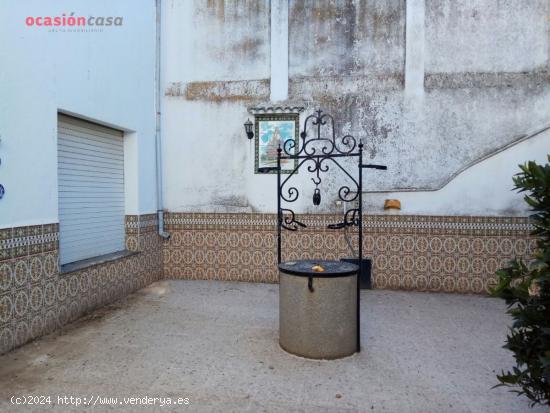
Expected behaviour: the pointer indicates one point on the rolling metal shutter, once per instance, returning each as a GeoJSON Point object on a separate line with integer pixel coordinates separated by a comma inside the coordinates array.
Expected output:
{"type": "Point", "coordinates": [91, 189]}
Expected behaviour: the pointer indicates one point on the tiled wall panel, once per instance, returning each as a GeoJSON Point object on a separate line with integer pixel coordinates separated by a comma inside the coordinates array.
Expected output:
{"type": "Point", "coordinates": [35, 299]}
{"type": "Point", "coordinates": [425, 253]}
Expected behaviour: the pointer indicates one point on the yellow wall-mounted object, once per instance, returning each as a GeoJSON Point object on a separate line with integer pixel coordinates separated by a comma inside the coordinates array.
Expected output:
{"type": "Point", "coordinates": [392, 204]}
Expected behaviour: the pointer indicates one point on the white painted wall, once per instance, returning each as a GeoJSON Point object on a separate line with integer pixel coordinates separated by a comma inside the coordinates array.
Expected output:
{"type": "Point", "coordinates": [209, 164]}
{"type": "Point", "coordinates": [207, 158]}
{"type": "Point", "coordinates": [474, 36]}
{"type": "Point", "coordinates": [106, 77]}
{"type": "Point", "coordinates": [483, 189]}
{"type": "Point", "coordinates": [278, 35]}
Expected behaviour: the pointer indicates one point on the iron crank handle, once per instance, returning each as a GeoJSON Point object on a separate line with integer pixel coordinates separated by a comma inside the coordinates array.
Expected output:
{"type": "Point", "coordinates": [372, 166]}
{"type": "Point", "coordinates": [339, 225]}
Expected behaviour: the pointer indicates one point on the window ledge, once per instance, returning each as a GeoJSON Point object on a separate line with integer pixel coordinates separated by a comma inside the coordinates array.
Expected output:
{"type": "Point", "coordinates": [90, 262]}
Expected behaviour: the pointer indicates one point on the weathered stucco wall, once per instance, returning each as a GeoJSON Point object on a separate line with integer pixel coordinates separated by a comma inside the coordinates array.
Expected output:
{"type": "Point", "coordinates": [345, 38]}
{"type": "Point", "coordinates": [486, 36]}
{"type": "Point", "coordinates": [431, 87]}
{"type": "Point", "coordinates": [215, 63]}
{"type": "Point", "coordinates": [219, 40]}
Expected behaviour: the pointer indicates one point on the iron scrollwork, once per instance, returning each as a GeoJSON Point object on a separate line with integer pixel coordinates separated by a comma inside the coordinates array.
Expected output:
{"type": "Point", "coordinates": [318, 150]}
{"type": "Point", "coordinates": [289, 220]}
{"type": "Point", "coordinates": [343, 146]}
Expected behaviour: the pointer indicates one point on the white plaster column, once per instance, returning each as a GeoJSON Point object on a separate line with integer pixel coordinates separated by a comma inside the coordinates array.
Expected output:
{"type": "Point", "coordinates": [414, 49]}
{"type": "Point", "coordinates": [413, 121]}
{"type": "Point", "coordinates": [279, 50]}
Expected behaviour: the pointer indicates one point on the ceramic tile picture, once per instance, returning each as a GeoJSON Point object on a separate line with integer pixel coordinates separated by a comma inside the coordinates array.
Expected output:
{"type": "Point", "coordinates": [274, 131]}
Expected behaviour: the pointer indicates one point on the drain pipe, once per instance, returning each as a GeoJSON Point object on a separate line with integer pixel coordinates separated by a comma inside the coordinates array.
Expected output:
{"type": "Point", "coordinates": [158, 140]}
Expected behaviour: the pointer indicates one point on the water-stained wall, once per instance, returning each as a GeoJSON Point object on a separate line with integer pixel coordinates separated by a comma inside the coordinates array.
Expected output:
{"type": "Point", "coordinates": [431, 87]}
{"type": "Point", "coordinates": [332, 39]}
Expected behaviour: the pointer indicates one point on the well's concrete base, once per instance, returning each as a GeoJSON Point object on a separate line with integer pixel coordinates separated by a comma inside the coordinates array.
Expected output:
{"type": "Point", "coordinates": [318, 324]}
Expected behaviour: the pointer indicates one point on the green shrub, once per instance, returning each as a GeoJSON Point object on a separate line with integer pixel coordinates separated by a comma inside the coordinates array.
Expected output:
{"type": "Point", "coordinates": [526, 288]}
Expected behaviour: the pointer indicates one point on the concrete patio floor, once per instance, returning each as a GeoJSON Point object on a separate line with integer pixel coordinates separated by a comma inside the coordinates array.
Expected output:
{"type": "Point", "coordinates": [216, 344]}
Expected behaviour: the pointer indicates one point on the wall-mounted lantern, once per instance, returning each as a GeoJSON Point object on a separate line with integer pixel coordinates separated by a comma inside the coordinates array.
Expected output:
{"type": "Point", "coordinates": [248, 128]}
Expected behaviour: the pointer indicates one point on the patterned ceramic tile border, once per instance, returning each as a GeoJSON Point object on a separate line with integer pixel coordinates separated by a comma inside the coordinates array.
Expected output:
{"type": "Point", "coordinates": [35, 299]}
{"type": "Point", "coordinates": [435, 253]}
{"type": "Point", "coordinates": [381, 223]}
{"type": "Point", "coordinates": [23, 241]}
{"type": "Point", "coordinates": [136, 227]}
{"type": "Point", "coordinates": [137, 223]}
{"type": "Point", "coordinates": [257, 222]}
{"type": "Point", "coordinates": [449, 225]}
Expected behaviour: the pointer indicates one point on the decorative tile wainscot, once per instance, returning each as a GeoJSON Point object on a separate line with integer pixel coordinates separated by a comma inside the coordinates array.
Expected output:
{"type": "Point", "coordinates": [35, 299]}
{"type": "Point", "coordinates": [424, 253]}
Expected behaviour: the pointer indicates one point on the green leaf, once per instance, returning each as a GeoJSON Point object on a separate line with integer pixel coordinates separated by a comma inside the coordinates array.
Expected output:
{"type": "Point", "coordinates": [525, 286]}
